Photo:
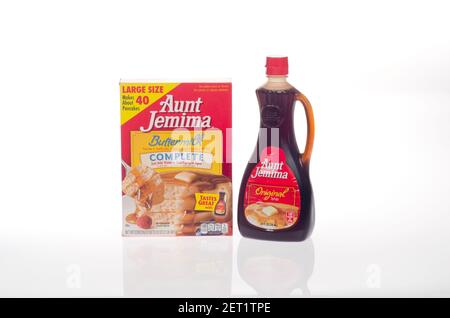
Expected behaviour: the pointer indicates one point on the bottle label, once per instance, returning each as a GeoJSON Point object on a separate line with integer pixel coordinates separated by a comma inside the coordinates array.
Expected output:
{"type": "Point", "coordinates": [272, 195]}
{"type": "Point", "coordinates": [220, 208]}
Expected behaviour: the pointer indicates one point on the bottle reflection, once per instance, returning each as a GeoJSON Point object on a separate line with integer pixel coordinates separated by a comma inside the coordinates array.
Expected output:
{"type": "Point", "coordinates": [276, 269]}
{"type": "Point", "coordinates": [177, 267]}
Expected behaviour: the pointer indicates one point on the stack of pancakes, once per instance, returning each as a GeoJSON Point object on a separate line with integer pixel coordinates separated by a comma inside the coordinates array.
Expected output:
{"type": "Point", "coordinates": [169, 198]}
{"type": "Point", "coordinates": [269, 215]}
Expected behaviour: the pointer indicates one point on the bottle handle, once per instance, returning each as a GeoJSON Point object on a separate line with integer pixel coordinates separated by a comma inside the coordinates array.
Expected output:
{"type": "Point", "coordinates": [306, 155]}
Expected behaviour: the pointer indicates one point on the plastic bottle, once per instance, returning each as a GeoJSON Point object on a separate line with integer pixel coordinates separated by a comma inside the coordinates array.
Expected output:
{"type": "Point", "coordinates": [276, 199]}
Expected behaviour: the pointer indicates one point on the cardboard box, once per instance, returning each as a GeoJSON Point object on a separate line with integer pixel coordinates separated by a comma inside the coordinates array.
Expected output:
{"type": "Point", "coordinates": [176, 158]}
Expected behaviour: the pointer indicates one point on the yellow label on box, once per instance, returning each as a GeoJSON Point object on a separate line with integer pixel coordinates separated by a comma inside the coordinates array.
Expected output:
{"type": "Point", "coordinates": [206, 201]}
{"type": "Point", "coordinates": [167, 151]}
{"type": "Point", "coordinates": [135, 97]}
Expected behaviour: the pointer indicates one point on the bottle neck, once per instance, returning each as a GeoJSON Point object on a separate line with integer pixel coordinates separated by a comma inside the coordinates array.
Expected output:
{"type": "Point", "coordinates": [277, 78]}
{"type": "Point", "coordinates": [277, 82]}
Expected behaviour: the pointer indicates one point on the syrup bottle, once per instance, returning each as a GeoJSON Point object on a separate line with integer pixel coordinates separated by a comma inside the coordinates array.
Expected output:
{"type": "Point", "coordinates": [220, 210]}
{"type": "Point", "coordinates": [220, 207]}
{"type": "Point", "coordinates": [276, 200]}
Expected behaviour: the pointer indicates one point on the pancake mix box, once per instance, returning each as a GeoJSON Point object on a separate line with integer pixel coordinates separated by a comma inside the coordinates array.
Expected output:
{"type": "Point", "coordinates": [176, 158]}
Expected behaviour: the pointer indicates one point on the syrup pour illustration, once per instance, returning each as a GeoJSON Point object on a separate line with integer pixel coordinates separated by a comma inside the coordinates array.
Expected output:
{"type": "Point", "coordinates": [276, 199]}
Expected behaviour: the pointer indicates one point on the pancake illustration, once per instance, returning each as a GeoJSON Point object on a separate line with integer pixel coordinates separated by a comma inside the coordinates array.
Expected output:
{"type": "Point", "coordinates": [169, 198]}
{"type": "Point", "coordinates": [270, 215]}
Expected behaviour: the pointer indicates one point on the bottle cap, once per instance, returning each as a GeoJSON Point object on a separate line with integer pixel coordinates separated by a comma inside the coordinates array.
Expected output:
{"type": "Point", "coordinates": [277, 65]}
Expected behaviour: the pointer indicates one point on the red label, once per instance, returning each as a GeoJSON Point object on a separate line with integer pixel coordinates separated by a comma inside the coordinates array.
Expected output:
{"type": "Point", "coordinates": [272, 195]}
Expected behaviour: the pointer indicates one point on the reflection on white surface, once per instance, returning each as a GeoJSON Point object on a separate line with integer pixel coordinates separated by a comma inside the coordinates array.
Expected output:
{"type": "Point", "coordinates": [60, 266]}
{"type": "Point", "coordinates": [177, 267]}
{"type": "Point", "coordinates": [203, 267]}
{"type": "Point", "coordinates": [338, 266]}
{"type": "Point", "coordinates": [276, 269]}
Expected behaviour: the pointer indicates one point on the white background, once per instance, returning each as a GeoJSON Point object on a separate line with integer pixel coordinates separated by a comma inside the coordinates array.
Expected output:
{"type": "Point", "coordinates": [376, 72]}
